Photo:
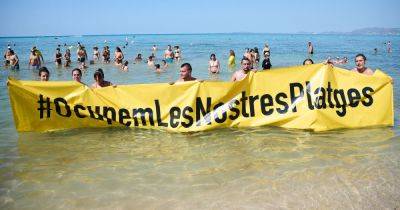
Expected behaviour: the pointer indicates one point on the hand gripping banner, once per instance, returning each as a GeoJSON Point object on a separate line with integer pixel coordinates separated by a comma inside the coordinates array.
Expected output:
{"type": "Point", "coordinates": [317, 97]}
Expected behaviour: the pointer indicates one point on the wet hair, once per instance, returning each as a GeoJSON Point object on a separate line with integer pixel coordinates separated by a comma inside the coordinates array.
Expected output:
{"type": "Point", "coordinates": [212, 55]}
{"type": "Point", "coordinates": [95, 48]}
{"type": "Point", "coordinates": [308, 59]}
{"type": "Point", "coordinates": [98, 73]}
{"type": "Point", "coordinates": [361, 55]}
{"type": "Point", "coordinates": [12, 52]}
{"type": "Point", "coordinates": [164, 61]}
{"type": "Point", "coordinates": [118, 49]}
{"type": "Point", "coordinates": [58, 48]}
{"type": "Point", "coordinates": [245, 59]}
{"type": "Point", "coordinates": [256, 49]}
{"type": "Point", "coordinates": [231, 52]}
{"type": "Point", "coordinates": [187, 65]}
{"type": "Point", "coordinates": [157, 66]}
{"type": "Point", "coordinates": [43, 69]}
{"type": "Point", "coordinates": [78, 70]}
{"type": "Point", "coordinates": [126, 63]}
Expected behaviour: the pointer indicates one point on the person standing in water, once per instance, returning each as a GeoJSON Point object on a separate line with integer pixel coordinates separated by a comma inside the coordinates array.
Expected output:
{"type": "Point", "coordinates": [34, 60]}
{"type": "Point", "coordinates": [389, 47]}
{"type": "Point", "coordinates": [14, 61]}
{"type": "Point", "coordinates": [243, 72]}
{"type": "Point", "coordinates": [185, 73]}
{"type": "Point", "coordinates": [58, 57]}
{"type": "Point", "coordinates": [77, 75]}
{"type": "Point", "coordinates": [82, 56]}
{"type": "Point", "coordinates": [213, 64]}
{"type": "Point", "coordinates": [44, 74]}
{"type": "Point", "coordinates": [177, 53]}
{"type": "Point", "coordinates": [67, 57]}
{"type": "Point", "coordinates": [99, 79]}
{"type": "Point", "coordinates": [231, 59]}
{"type": "Point", "coordinates": [266, 64]}
{"type": "Point", "coordinates": [310, 48]}
{"type": "Point", "coordinates": [168, 54]}
{"type": "Point", "coordinates": [118, 56]}
{"type": "Point", "coordinates": [360, 61]}
{"type": "Point", "coordinates": [106, 55]}
{"type": "Point", "coordinates": [96, 53]}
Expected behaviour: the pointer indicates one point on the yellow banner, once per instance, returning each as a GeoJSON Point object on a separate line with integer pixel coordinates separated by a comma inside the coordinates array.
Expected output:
{"type": "Point", "coordinates": [316, 97]}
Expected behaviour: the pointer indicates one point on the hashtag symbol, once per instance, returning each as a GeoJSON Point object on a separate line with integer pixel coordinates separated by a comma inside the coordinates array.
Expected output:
{"type": "Point", "coordinates": [44, 105]}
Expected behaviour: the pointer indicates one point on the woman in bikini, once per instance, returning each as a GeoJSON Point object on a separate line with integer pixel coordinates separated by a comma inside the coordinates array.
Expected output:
{"type": "Point", "coordinates": [118, 56]}
{"type": "Point", "coordinates": [213, 65]}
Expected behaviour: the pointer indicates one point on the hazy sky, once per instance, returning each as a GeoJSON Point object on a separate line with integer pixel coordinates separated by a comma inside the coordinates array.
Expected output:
{"type": "Point", "coordinates": [77, 17]}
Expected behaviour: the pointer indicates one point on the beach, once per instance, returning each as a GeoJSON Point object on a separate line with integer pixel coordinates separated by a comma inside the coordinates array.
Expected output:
{"type": "Point", "coordinates": [251, 168]}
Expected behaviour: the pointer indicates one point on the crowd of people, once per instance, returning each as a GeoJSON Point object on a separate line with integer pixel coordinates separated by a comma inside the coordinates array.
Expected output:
{"type": "Point", "coordinates": [249, 62]}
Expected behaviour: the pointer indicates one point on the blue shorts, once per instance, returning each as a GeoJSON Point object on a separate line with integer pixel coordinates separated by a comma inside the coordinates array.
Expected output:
{"type": "Point", "coordinates": [169, 60]}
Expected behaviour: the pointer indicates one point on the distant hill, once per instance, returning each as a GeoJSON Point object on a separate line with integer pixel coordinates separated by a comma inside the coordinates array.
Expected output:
{"type": "Point", "coordinates": [363, 31]}
{"type": "Point", "coordinates": [377, 31]}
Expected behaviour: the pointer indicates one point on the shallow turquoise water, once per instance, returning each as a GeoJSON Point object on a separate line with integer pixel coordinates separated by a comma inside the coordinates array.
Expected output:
{"type": "Point", "coordinates": [263, 167]}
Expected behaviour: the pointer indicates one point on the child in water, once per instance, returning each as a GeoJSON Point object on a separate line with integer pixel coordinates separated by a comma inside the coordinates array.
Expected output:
{"type": "Point", "coordinates": [125, 67]}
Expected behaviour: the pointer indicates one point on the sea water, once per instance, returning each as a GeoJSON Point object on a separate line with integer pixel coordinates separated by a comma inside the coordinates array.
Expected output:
{"type": "Point", "coordinates": [252, 168]}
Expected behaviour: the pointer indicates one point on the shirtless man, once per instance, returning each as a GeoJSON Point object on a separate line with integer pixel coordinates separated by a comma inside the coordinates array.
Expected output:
{"type": "Point", "coordinates": [150, 61]}
{"type": "Point", "coordinates": [39, 54]}
{"type": "Point", "coordinates": [242, 73]}
{"type": "Point", "coordinates": [169, 55]}
{"type": "Point", "coordinates": [14, 61]}
{"type": "Point", "coordinates": [185, 73]}
{"type": "Point", "coordinates": [213, 65]}
{"type": "Point", "coordinates": [360, 65]}
{"type": "Point", "coordinates": [82, 56]}
{"type": "Point", "coordinates": [34, 60]}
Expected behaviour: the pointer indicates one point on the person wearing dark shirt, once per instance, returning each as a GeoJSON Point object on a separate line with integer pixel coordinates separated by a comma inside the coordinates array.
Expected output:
{"type": "Point", "coordinates": [266, 64]}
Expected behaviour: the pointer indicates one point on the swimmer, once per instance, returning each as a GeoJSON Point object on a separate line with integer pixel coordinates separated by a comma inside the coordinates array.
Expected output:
{"type": "Point", "coordinates": [360, 61]}
{"type": "Point", "coordinates": [389, 47]}
{"type": "Point", "coordinates": [34, 60]}
{"type": "Point", "coordinates": [125, 67]}
{"type": "Point", "coordinates": [14, 61]}
{"type": "Point", "coordinates": [266, 64]}
{"type": "Point", "coordinates": [158, 68]}
{"type": "Point", "coordinates": [138, 58]}
{"type": "Point", "coordinates": [213, 64]}
{"type": "Point", "coordinates": [231, 59]}
{"type": "Point", "coordinates": [58, 57]}
{"type": "Point", "coordinates": [67, 57]}
{"type": "Point", "coordinates": [106, 54]}
{"type": "Point", "coordinates": [154, 48]}
{"type": "Point", "coordinates": [118, 56]}
{"type": "Point", "coordinates": [310, 48]}
{"type": "Point", "coordinates": [96, 53]}
{"type": "Point", "coordinates": [99, 79]}
{"type": "Point", "coordinates": [168, 54]}
{"type": "Point", "coordinates": [308, 61]}
{"type": "Point", "coordinates": [266, 49]}
{"type": "Point", "coordinates": [177, 53]}
{"type": "Point", "coordinates": [44, 74]}
{"type": "Point", "coordinates": [243, 72]}
{"type": "Point", "coordinates": [7, 55]}
{"type": "Point", "coordinates": [164, 65]}
{"type": "Point", "coordinates": [82, 56]}
{"type": "Point", "coordinates": [39, 54]}
{"type": "Point", "coordinates": [150, 61]}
